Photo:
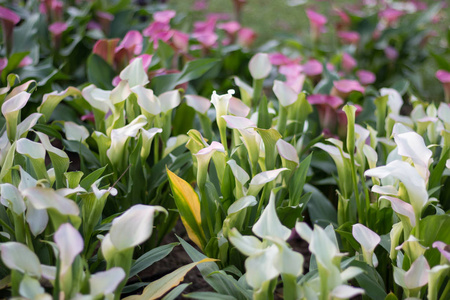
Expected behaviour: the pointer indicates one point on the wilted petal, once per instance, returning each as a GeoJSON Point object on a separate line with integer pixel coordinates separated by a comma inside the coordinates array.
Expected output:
{"type": "Point", "coordinates": [260, 66]}
{"type": "Point", "coordinates": [417, 275]}
{"type": "Point", "coordinates": [17, 256]}
{"type": "Point", "coordinates": [106, 282]}
{"type": "Point", "coordinates": [134, 226]}
{"type": "Point", "coordinates": [269, 224]}
{"type": "Point", "coordinates": [70, 244]}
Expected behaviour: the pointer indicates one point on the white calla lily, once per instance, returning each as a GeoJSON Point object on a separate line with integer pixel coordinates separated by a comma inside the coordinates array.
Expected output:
{"type": "Point", "coordinates": [367, 239]}
{"type": "Point", "coordinates": [346, 292]}
{"type": "Point", "coordinates": [241, 203]}
{"type": "Point", "coordinates": [134, 226]}
{"type": "Point", "coordinates": [75, 132]}
{"type": "Point", "coordinates": [147, 100]}
{"type": "Point", "coordinates": [31, 149]}
{"type": "Point", "coordinates": [402, 208]}
{"type": "Point", "coordinates": [260, 179]}
{"type": "Point", "coordinates": [17, 256]}
{"type": "Point", "coordinates": [169, 100]}
{"type": "Point", "coordinates": [11, 109]}
{"type": "Point", "coordinates": [269, 224]}
{"type": "Point", "coordinates": [27, 124]}
{"type": "Point", "coordinates": [11, 197]}
{"type": "Point", "coordinates": [395, 101]}
{"type": "Point", "coordinates": [412, 145]}
{"type": "Point", "coordinates": [135, 73]}
{"type": "Point", "coordinates": [238, 172]}
{"type": "Point", "coordinates": [70, 244]}
{"type": "Point", "coordinates": [238, 122]}
{"type": "Point", "coordinates": [417, 275]}
{"type": "Point", "coordinates": [248, 244]}
{"type": "Point", "coordinates": [30, 288]}
{"type": "Point", "coordinates": [261, 267]}
{"type": "Point", "coordinates": [284, 93]}
{"type": "Point", "coordinates": [44, 198]}
{"type": "Point", "coordinates": [199, 103]}
{"type": "Point", "coordinates": [260, 66]}
{"type": "Point", "coordinates": [106, 282]}
{"type": "Point", "coordinates": [238, 108]}
{"type": "Point", "coordinates": [287, 151]}
{"type": "Point", "coordinates": [97, 98]}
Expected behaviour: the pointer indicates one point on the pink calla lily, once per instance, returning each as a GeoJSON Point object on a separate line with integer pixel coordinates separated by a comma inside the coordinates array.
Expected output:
{"type": "Point", "coordinates": [444, 77]}
{"type": "Point", "coordinates": [365, 77]}
{"type": "Point", "coordinates": [8, 19]}
{"type": "Point", "coordinates": [349, 37]}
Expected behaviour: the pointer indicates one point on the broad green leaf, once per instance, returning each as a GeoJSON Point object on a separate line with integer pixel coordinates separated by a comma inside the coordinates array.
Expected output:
{"type": "Point", "coordinates": [208, 296]}
{"type": "Point", "coordinates": [147, 259]}
{"type": "Point", "coordinates": [188, 205]}
{"type": "Point", "coordinates": [99, 72]}
{"type": "Point", "coordinates": [161, 286]}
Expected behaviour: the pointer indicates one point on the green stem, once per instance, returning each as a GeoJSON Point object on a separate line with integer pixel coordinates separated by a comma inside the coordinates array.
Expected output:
{"type": "Point", "coordinates": [282, 119]}
{"type": "Point", "coordinates": [355, 187]}
{"type": "Point", "coordinates": [257, 89]}
{"type": "Point", "coordinates": [445, 293]}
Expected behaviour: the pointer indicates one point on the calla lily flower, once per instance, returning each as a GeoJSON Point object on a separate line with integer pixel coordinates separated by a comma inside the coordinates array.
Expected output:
{"type": "Point", "coordinates": [413, 182]}
{"type": "Point", "coordinates": [17, 256]}
{"type": "Point", "coordinates": [238, 122]}
{"type": "Point", "coordinates": [412, 145]}
{"type": "Point", "coordinates": [239, 173]}
{"type": "Point", "coordinates": [106, 49]}
{"type": "Point", "coordinates": [365, 77]}
{"type": "Point", "coordinates": [312, 68]}
{"type": "Point", "coordinates": [344, 87]}
{"type": "Point", "coordinates": [391, 53]}
{"type": "Point", "coordinates": [130, 45]}
{"type": "Point", "coordinates": [287, 151]}
{"type": "Point", "coordinates": [349, 37]}
{"type": "Point", "coordinates": [327, 106]}
{"type": "Point", "coordinates": [417, 275]}
{"type": "Point", "coordinates": [221, 105]}
{"type": "Point", "coordinates": [12, 198]}
{"type": "Point", "coordinates": [395, 101]}
{"type": "Point", "coordinates": [246, 37]}
{"type": "Point", "coordinates": [133, 227]}
{"type": "Point", "coordinates": [368, 241]}
{"type": "Point", "coordinates": [443, 248]}
{"type": "Point", "coordinates": [106, 282]}
{"type": "Point", "coordinates": [444, 77]}
{"type": "Point", "coordinates": [348, 62]}
{"type": "Point", "coordinates": [401, 208]}
{"type": "Point", "coordinates": [70, 243]}
{"type": "Point", "coordinates": [317, 22]}
{"type": "Point", "coordinates": [135, 74]}
{"type": "Point", "coordinates": [203, 157]}
{"type": "Point", "coordinates": [164, 16]}
{"type": "Point", "coordinates": [346, 292]}
{"type": "Point", "coordinates": [269, 224]}
{"type": "Point", "coordinates": [258, 182]}
{"type": "Point", "coordinates": [284, 93]}
{"type": "Point", "coordinates": [8, 20]}
{"type": "Point", "coordinates": [57, 30]}
{"type": "Point", "coordinates": [10, 110]}
{"type": "Point", "coordinates": [260, 66]}
{"type": "Point", "coordinates": [75, 132]}
{"type": "Point", "coordinates": [199, 103]}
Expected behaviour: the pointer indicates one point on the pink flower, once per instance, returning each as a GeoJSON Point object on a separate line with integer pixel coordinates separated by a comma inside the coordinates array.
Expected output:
{"type": "Point", "coordinates": [132, 43]}
{"type": "Point", "coordinates": [104, 19]}
{"type": "Point", "coordinates": [26, 61]}
{"type": "Point", "coordinates": [312, 68]}
{"type": "Point", "coordinates": [443, 248]}
{"type": "Point", "coordinates": [365, 77]}
{"type": "Point", "coordinates": [3, 63]}
{"type": "Point", "coordinates": [219, 16]}
{"type": "Point", "coordinates": [53, 9]}
{"type": "Point", "coordinates": [390, 15]}
{"type": "Point", "coordinates": [207, 39]}
{"type": "Point", "coordinates": [164, 16]}
{"type": "Point", "coordinates": [89, 117]}
{"type": "Point", "coordinates": [158, 31]}
{"type": "Point", "coordinates": [230, 27]}
{"type": "Point", "coordinates": [444, 77]}
{"type": "Point", "coordinates": [391, 53]}
{"type": "Point", "coordinates": [317, 22]}
{"type": "Point", "coordinates": [278, 59]}
{"type": "Point", "coordinates": [57, 30]}
{"type": "Point", "coordinates": [349, 37]}
{"type": "Point", "coordinates": [246, 37]}
{"type": "Point", "coordinates": [348, 62]}
{"type": "Point", "coordinates": [327, 106]}
{"type": "Point", "coordinates": [106, 49]}
{"type": "Point", "coordinates": [294, 76]}
{"type": "Point", "coordinates": [180, 41]}
{"type": "Point", "coordinates": [200, 5]}
{"type": "Point", "coordinates": [8, 20]}
{"type": "Point", "coordinates": [209, 25]}
{"type": "Point", "coordinates": [344, 18]}
{"type": "Point", "coordinates": [344, 87]}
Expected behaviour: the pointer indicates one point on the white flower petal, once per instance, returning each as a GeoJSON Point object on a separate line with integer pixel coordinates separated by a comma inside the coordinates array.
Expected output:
{"type": "Point", "coordinates": [417, 275]}
{"type": "Point", "coordinates": [169, 100]}
{"type": "Point", "coordinates": [70, 244]}
{"type": "Point", "coordinates": [147, 100]}
{"type": "Point", "coordinates": [75, 132]}
{"type": "Point", "coordinates": [199, 103]}
{"type": "Point", "coordinates": [260, 66]}
{"type": "Point", "coordinates": [238, 172]}
{"type": "Point", "coordinates": [346, 292]}
{"type": "Point", "coordinates": [238, 122]}
{"type": "Point", "coordinates": [134, 73]}
{"type": "Point", "coordinates": [242, 203]}
{"type": "Point", "coordinates": [287, 151]}
{"type": "Point", "coordinates": [395, 100]}
{"type": "Point", "coordinates": [269, 224]}
{"type": "Point", "coordinates": [106, 282]}
{"type": "Point", "coordinates": [17, 256]}
{"type": "Point", "coordinates": [284, 93]}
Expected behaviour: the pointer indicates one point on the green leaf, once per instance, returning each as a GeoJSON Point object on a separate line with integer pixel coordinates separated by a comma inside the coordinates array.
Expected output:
{"type": "Point", "coordinates": [188, 205]}
{"type": "Point", "coordinates": [208, 296]}
{"type": "Point", "coordinates": [99, 72]}
{"type": "Point", "coordinates": [391, 296]}
{"type": "Point", "coordinates": [270, 138]}
{"type": "Point", "coordinates": [173, 294]}
{"type": "Point", "coordinates": [152, 256]}
{"type": "Point", "coordinates": [91, 178]}
{"type": "Point", "coordinates": [161, 286]}
{"type": "Point", "coordinates": [433, 228]}
{"type": "Point", "coordinates": [298, 181]}
{"type": "Point", "coordinates": [13, 61]}
{"type": "Point", "coordinates": [50, 101]}
{"type": "Point", "coordinates": [320, 208]}
{"type": "Point", "coordinates": [370, 281]}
